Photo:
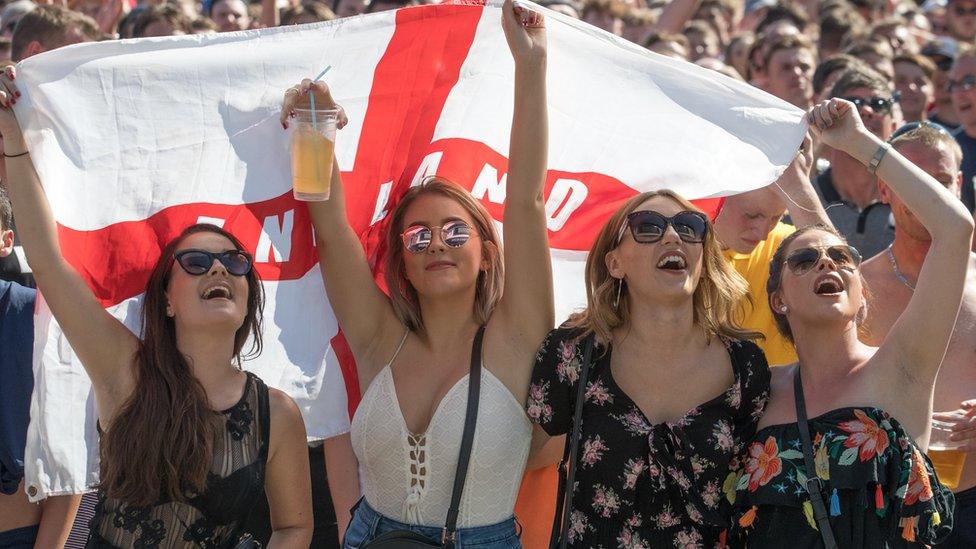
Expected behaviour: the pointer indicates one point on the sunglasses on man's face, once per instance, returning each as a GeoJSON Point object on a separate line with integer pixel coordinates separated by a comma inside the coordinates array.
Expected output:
{"type": "Point", "coordinates": [648, 226]}
{"type": "Point", "coordinates": [199, 262]}
{"type": "Point", "coordinates": [418, 238]}
{"type": "Point", "coordinates": [802, 261]}
{"type": "Point", "coordinates": [965, 83]}
{"type": "Point", "coordinates": [878, 105]}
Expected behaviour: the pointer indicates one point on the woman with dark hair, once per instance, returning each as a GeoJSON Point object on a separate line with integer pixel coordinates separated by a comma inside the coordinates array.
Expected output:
{"type": "Point", "coordinates": [674, 388]}
{"type": "Point", "coordinates": [188, 440]}
{"type": "Point", "coordinates": [855, 474]}
{"type": "Point", "coordinates": [413, 349]}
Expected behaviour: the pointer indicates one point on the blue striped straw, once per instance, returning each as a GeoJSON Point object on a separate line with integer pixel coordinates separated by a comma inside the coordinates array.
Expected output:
{"type": "Point", "coordinates": [312, 96]}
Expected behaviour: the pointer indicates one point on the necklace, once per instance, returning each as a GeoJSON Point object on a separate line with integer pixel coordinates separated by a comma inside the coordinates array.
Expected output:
{"type": "Point", "coordinates": [898, 273]}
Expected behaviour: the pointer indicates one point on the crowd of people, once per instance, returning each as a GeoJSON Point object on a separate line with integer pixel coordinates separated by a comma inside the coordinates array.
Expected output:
{"type": "Point", "coordinates": [767, 377]}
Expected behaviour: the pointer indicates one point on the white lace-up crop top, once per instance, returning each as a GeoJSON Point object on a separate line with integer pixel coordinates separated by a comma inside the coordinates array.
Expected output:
{"type": "Point", "coordinates": [409, 477]}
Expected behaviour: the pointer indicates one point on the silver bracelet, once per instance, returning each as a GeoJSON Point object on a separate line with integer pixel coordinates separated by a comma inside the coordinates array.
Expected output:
{"type": "Point", "coordinates": [878, 156]}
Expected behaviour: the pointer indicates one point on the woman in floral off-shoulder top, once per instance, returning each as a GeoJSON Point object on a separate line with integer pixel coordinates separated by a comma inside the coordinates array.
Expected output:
{"type": "Point", "coordinates": [877, 487]}
{"type": "Point", "coordinates": [675, 388]}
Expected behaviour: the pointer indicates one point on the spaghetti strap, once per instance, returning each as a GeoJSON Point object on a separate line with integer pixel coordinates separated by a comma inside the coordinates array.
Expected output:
{"type": "Point", "coordinates": [400, 346]}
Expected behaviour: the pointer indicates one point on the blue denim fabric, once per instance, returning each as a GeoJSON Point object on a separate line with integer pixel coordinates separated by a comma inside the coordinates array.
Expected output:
{"type": "Point", "coordinates": [964, 524]}
{"type": "Point", "coordinates": [367, 524]}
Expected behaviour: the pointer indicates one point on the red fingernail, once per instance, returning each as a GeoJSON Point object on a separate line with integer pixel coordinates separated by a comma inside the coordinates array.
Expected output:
{"type": "Point", "coordinates": [17, 94]}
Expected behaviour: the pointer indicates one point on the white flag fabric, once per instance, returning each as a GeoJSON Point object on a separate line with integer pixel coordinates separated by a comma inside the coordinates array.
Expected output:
{"type": "Point", "coordinates": [136, 139]}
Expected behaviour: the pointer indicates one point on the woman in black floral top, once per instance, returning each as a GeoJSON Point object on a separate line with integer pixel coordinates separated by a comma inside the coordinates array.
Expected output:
{"type": "Point", "coordinates": [675, 388]}
{"type": "Point", "coordinates": [869, 408]}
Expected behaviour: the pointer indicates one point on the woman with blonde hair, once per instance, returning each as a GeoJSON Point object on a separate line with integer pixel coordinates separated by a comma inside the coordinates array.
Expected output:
{"type": "Point", "coordinates": [651, 461]}
{"type": "Point", "coordinates": [415, 349]}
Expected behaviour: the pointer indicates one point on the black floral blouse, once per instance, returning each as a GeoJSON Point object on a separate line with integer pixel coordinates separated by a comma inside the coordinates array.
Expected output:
{"type": "Point", "coordinates": [880, 489]}
{"type": "Point", "coordinates": [640, 484]}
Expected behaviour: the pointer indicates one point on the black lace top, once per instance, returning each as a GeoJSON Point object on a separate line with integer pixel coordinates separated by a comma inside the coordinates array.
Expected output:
{"type": "Point", "coordinates": [210, 520]}
{"type": "Point", "coordinates": [881, 490]}
{"type": "Point", "coordinates": [640, 484]}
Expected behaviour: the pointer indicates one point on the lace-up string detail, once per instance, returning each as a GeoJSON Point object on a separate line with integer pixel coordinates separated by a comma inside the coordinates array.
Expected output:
{"type": "Point", "coordinates": [418, 476]}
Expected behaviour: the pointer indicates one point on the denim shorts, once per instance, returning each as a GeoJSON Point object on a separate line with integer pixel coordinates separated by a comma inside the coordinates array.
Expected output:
{"type": "Point", "coordinates": [367, 524]}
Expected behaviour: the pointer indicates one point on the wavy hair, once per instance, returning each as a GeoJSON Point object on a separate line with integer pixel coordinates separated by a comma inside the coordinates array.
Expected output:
{"type": "Point", "coordinates": [491, 281]}
{"type": "Point", "coordinates": [718, 298]}
{"type": "Point", "coordinates": [160, 444]}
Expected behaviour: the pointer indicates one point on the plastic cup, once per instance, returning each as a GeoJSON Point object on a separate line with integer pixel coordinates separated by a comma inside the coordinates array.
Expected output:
{"type": "Point", "coordinates": [312, 149]}
{"type": "Point", "coordinates": [945, 454]}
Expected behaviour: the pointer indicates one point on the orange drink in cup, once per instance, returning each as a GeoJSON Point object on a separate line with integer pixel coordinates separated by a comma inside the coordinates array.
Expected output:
{"type": "Point", "coordinates": [312, 148]}
{"type": "Point", "coordinates": [945, 454]}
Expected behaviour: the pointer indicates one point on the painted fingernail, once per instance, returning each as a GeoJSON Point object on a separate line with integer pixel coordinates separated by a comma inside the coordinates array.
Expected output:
{"type": "Point", "coordinates": [17, 94]}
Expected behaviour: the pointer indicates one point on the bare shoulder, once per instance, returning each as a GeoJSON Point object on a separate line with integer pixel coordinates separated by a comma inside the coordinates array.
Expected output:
{"type": "Point", "coordinates": [284, 412]}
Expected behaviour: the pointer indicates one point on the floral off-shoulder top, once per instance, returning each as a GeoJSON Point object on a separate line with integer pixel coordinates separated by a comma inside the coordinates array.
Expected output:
{"type": "Point", "coordinates": [880, 489]}
{"type": "Point", "coordinates": [638, 484]}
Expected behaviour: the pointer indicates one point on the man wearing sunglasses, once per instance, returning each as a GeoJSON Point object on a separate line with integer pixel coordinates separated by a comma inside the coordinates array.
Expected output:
{"type": "Point", "coordinates": [891, 277]}
{"type": "Point", "coordinates": [962, 87]}
{"type": "Point", "coordinates": [942, 51]}
{"type": "Point", "coordinates": [961, 20]}
{"type": "Point", "coordinates": [848, 191]}
{"type": "Point", "coordinates": [750, 231]}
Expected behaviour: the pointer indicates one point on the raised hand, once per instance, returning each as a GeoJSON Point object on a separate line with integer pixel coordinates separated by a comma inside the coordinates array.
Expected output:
{"type": "Point", "coordinates": [9, 94]}
{"type": "Point", "coordinates": [525, 31]}
{"type": "Point", "coordinates": [837, 123]}
{"type": "Point", "coordinates": [963, 423]}
{"type": "Point", "coordinates": [297, 97]}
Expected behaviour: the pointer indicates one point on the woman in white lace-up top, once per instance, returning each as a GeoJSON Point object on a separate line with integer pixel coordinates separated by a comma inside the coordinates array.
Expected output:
{"type": "Point", "coordinates": [444, 270]}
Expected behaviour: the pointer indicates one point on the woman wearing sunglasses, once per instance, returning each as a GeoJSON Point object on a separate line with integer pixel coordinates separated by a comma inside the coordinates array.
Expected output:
{"type": "Point", "coordinates": [839, 457]}
{"type": "Point", "coordinates": [189, 442]}
{"type": "Point", "coordinates": [445, 277]}
{"type": "Point", "coordinates": [675, 388]}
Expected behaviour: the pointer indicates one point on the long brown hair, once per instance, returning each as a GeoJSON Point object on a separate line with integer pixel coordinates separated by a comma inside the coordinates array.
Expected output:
{"type": "Point", "coordinates": [160, 444]}
{"type": "Point", "coordinates": [718, 297]}
{"type": "Point", "coordinates": [490, 281]}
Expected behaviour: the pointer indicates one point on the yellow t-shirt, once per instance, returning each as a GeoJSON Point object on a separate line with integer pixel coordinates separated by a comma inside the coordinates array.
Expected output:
{"type": "Point", "coordinates": [754, 267]}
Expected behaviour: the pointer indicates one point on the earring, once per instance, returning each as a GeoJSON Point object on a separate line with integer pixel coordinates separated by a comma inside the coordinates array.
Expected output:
{"type": "Point", "coordinates": [620, 285]}
{"type": "Point", "coordinates": [783, 309]}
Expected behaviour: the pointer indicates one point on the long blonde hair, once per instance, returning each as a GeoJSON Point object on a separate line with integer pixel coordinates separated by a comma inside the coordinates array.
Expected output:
{"type": "Point", "coordinates": [403, 295]}
{"type": "Point", "coordinates": [718, 299]}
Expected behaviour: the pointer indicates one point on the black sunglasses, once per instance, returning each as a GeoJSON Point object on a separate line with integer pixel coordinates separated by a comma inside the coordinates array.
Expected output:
{"type": "Point", "coordinates": [965, 83]}
{"type": "Point", "coordinates": [418, 238]}
{"type": "Point", "coordinates": [803, 260]}
{"type": "Point", "coordinates": [648, 226]}
{"type": "Point", "coordinates": [879, 105]}
{"type": "Point", "coordinates": [198, 262]}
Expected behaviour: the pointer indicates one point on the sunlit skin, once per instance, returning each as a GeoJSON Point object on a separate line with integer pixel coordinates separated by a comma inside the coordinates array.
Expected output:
{"type": "Point", "coordinates": [940, 163]}
{"type": "Point", "coordinates": [790, 76]}
{"type": "Point", "coordinates": [964, 101]}
{"type": "Point", "coordinates": [917, 91]}
{"type": "Point", "coordinates": [955, 383]}
{"type": "Point", "coordinates": [746, 219]}
{"type": "Point", "coordinates": [961, 20]}
{"type": "Point", "coordinates": [739, 55]}
{"type": "Point", "coordinates": [441, 270]}
{"type": "Point", "coordinates": [230, 15]}
{"type": "Point", "coordinates": [184, 294]}
{"type": "Point", "coordinates": [636, 263]}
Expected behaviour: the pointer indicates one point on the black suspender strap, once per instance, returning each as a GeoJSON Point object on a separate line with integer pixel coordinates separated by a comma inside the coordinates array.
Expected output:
{"type": "Point", "coordinates": [814, 485]}
{"type": "Point", "coordinates": [564, 507]}
{"type": "Point", "coordinates": [449, 535]}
